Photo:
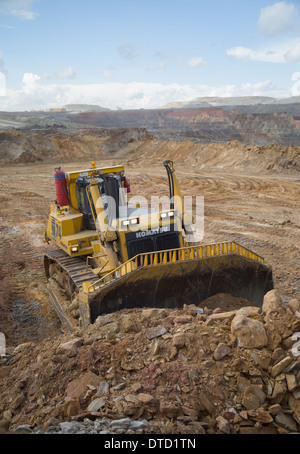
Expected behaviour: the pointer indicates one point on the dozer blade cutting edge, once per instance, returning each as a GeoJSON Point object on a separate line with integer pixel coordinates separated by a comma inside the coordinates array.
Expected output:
{"type": "Point", "coordinates": [165, 280]}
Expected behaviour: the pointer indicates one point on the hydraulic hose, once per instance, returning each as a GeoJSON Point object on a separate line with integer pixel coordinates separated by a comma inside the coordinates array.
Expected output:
{"type": "Point", "coordinates": [171, 181]}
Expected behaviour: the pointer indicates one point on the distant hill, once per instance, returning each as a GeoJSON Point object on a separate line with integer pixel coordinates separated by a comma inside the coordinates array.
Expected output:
{"type": "Point", "coordinates": [260, 120]}
{"type": "Point", "coordinates": [196, 103]}
{"type": "Point", "coordinates": [230, 101]}
{"type": "Point", "coordinates": [292, 100]}
{"type": "Point", "coordinates": [220, 101]}
{"type": "Point", "coordinates": [78, 108]}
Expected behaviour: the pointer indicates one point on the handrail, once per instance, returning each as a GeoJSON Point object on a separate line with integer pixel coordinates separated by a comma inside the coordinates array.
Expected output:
{"type": "Point", "coordinates": [175, 255]}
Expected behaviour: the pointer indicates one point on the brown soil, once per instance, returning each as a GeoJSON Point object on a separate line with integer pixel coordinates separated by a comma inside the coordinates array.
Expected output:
{"type": "Point", "coordinates": [254, 203]}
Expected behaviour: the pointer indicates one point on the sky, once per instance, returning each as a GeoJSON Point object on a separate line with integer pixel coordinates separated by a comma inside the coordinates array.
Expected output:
{"type": "Point", "coordinates": [133, 54]}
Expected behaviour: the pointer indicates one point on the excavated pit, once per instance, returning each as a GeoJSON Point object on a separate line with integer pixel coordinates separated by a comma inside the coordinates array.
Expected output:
{"type": "Point", "coordinates": [166, 355]}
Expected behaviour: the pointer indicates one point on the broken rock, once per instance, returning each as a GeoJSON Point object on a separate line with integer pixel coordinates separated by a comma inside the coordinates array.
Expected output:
{"type": "Point", "coordinates": [250, 401]}
{"type": "Point", "coordinates": [294, 405]}
{"type": "Point", "coordinates": [182, 319]}
{"type": "Point", "coordinates": [69, 346]}
{"type": "Point", "coordinates": [220, 317]}
{"type": "Point", "coordinates": [223, 425]}
{"type": "Point", "coordinates": [156, 332]}
{"type": "Point", "coordinates": [221, 351]}
{"type": "Point", "coordinates": [262, 361]}
{"type": "Point", "coordinates": [280, 366]}
{"type": "Point", "coordinates": [291, 382]}
{"type": "Point", "coordinates": [70, 407]}
{"type": "Point", "coordinates": [78, 388]}
{"type": "Point", "coordinates": [96, 404]}
{"type": "Point", "coordinates": [179, 340]}
{"type": "Point", "coordinates": [169, 410]}
{"type": "Point", "coordinates": [145, 398]}
{"type": "Point", "coordinates": [253, 397]}
{"type": "Point", "coordinates": [250, 333]}
{"type": "Point", "coordinates": [286, 421]}
{"type": "Point", "coordinates": [205, 403]}
{"type": "Point", "coordinates": [103, 388]}
{"type": "Point", "coordinates": [279, 392]}
{"type": "Point", "coordinates": [262, 416]}
{"type": "Point", "coordinates": [275, 409]}
{"type": "Point", "coordinates": [251, 312]}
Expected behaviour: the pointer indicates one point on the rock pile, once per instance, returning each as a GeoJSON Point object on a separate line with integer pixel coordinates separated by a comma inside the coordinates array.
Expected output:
{"type": "Point", "coordinates": [192, 370]}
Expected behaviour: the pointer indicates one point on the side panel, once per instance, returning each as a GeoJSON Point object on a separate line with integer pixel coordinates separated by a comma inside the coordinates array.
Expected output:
{"type": "Point", "coordinates": [66, 232]}
{"type": "Point", "coordinates": [65, 225]}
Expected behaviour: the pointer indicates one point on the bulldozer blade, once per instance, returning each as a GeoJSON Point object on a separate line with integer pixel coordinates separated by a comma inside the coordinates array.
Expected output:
{"type": "Point", "coordinates": [172, 285]}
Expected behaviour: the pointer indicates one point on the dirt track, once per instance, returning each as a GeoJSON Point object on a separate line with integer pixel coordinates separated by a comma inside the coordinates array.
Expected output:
{"type": "Point", "coordinates": [259, 211]}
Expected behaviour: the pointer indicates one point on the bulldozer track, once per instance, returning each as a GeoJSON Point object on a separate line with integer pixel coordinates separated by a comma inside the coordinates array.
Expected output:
{"type": "Point", "coordinates": [75, 270]}
{"type": "Point", "coordinates": [73, 266]}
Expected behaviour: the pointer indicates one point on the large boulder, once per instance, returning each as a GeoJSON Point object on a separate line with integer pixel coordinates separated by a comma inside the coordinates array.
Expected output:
{"type": "Point", "coordinates": [272, 302]}
{"type": "Point", "coordinates": [249, 332]}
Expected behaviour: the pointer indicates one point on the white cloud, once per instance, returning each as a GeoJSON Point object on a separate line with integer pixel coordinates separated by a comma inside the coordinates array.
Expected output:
{"type": "Point", "coordinates": [285, 52]}
{"type": "Point", "coordinates": [277, 18]}
{"type": "Point", "coordinates": [296, 76]}
{"type": "Point", "coordinates": [36, 94]}
{"type": "Point", "coordinates": [195, 62]}
{"type": "Point", "coordinates": [109, 74]}
{"type": "Point", "coordinates": [293, 55]}
{"type": "Point", "coordinates": [242, 53]}
{"type": "Point", "coordinates": [66, 73]}
{"type": "Point", "coordinates": [296, 85]}
{"type": "Point", "coordinates": [2, 84]}
{"type": "Point", "coordinates": [127, 51]}
{"type": "Point", "coordinates": [21, 9]}
{"type": "Point", "coordinates": [159, 66]}
{"type": "Point", "coordinates": [30, 82]}
{"type": "Point", "coordinates": [260, 89]}
{"type": "Point", "coordinates": [2, 66]}
{"type": "Point", "coordinates": [23, 14]}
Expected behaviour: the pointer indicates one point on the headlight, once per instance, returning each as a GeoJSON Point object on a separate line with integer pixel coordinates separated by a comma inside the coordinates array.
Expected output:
{"type": "Point", "coordinates": [167, 214]}
{"type": "Point", "coordinates": [74, 248]}
{"type": "Point", "coordinates": [128, 222]}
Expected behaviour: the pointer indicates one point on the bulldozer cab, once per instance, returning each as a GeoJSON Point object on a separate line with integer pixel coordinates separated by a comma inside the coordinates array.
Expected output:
{"type": "Point", "coordinates": [109, 186]}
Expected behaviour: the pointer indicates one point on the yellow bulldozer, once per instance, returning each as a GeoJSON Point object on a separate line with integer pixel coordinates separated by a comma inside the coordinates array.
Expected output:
{"type": "Point", "coordinates": [109, 254]}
